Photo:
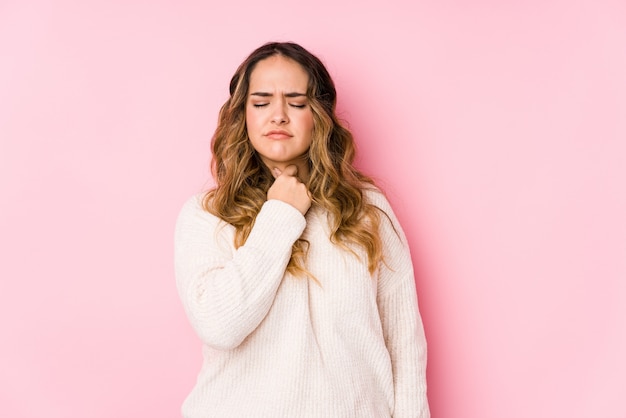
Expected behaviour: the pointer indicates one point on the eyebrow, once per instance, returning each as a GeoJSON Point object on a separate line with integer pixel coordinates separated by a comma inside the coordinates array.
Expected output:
{"type": "Point", "coordinates": [264, 94]}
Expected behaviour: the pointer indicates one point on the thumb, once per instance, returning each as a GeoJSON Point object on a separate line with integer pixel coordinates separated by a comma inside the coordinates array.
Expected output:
{"type": "Point", "coordinates": [276, 172]}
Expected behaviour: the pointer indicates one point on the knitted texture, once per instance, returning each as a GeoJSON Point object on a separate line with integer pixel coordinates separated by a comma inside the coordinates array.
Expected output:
{"type": "Point", "coordinates": [278, 346]}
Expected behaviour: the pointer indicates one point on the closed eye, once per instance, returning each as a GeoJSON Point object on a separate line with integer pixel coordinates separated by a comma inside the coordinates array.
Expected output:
{"type": "Point", "coordinates": [298, 106]}
{"type": "Point", "coordinates": [260, 104]}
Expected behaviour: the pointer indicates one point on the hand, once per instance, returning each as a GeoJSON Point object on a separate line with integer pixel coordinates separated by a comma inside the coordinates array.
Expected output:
{"type": "Point", "coordinates": [288, 188]}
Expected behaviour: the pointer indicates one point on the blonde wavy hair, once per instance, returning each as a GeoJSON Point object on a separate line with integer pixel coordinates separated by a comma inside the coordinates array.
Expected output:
{"type": "Point", "coordinates": [242, 179]}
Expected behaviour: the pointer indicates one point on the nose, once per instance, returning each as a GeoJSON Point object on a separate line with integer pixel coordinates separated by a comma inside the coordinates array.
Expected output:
{"type": "Point", "coordinates": [279, 116]}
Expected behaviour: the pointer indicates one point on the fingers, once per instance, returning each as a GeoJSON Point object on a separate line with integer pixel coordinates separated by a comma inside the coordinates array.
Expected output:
{"type": "Point", "coordinates": [288, 188]}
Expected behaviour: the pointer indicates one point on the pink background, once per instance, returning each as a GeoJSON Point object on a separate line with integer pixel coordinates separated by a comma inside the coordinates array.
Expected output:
{"type": "Point", "coordinates": [497, 128]}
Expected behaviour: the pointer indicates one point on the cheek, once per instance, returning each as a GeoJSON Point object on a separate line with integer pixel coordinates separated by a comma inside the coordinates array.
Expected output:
{"type": "Point", "coordinates": [250, 122]}
{"type": "Point", "coordinates": [308, 122]}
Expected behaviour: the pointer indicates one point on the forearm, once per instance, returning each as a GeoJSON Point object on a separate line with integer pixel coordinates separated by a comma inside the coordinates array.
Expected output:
{"type": "Point", "coordinates": [405, 340]}
{"type": "Point", "coordinates": [227, 293]}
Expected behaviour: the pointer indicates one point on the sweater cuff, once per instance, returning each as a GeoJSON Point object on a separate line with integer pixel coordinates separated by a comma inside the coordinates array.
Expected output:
{"type": "Point", "coordinates": [277, 225]}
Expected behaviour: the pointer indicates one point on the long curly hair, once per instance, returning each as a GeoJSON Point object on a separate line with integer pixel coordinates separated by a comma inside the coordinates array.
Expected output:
{"type": "Point", "coordinates": [242, 179]}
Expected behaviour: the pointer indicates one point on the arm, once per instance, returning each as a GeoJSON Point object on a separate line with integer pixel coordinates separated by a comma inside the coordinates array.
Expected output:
{"type": "Point", "coordinates": [402, 325]}
{"type": "Point", "coordinates": [226, 293]}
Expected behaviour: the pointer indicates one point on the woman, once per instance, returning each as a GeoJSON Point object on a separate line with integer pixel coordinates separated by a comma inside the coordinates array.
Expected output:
{"type": "Point", "coordinates": [293, 270]}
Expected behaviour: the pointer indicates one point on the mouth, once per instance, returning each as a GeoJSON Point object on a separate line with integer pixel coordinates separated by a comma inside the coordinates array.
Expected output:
{"type": "Point", "coordinates": [278, 134]}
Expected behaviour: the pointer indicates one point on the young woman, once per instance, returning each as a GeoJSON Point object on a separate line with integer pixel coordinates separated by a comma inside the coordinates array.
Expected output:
{"type": "Point", "coordinates": [293, 270]}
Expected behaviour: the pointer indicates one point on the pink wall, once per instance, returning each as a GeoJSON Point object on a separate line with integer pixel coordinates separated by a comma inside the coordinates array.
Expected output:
{"type": "Point", "coordinates": [498, 129]}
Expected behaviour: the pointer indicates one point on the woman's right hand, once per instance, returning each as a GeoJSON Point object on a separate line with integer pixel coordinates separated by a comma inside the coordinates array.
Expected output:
{"type": "Point", "coordinates": [288, 188]}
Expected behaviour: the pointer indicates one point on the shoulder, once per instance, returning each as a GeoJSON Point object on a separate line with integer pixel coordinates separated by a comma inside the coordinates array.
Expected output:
{"type": "Point", "coordinates": [376, 197]}
{"type": "Point", "coordinates": [389, 227]}
{"type": "Point", "coordinates": [194, 212]}
{"type": "Point", "coordinates": [193, 204]}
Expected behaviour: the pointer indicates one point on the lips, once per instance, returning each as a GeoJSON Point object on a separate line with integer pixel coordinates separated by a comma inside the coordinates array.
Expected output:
{"type": "Point", "coordinates": [278, 134]}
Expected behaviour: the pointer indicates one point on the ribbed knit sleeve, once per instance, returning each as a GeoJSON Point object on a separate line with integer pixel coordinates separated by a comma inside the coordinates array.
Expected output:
{"type": "Point", "coordinates": [402, 325]}
{"type": "Point", "coordinates": [226, 293]}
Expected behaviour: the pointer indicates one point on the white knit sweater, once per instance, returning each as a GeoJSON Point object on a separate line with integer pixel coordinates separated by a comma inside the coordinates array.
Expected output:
{"type": "Point", "coordinates": [278, 346]}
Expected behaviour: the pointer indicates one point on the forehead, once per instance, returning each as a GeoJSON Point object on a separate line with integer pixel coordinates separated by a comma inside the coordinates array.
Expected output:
{"type": "Point", "coordinates": [278, 73]}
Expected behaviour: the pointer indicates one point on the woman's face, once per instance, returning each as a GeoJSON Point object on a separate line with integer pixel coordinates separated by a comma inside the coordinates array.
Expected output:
{"type": "Point", "coordinates": [278, 116]}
